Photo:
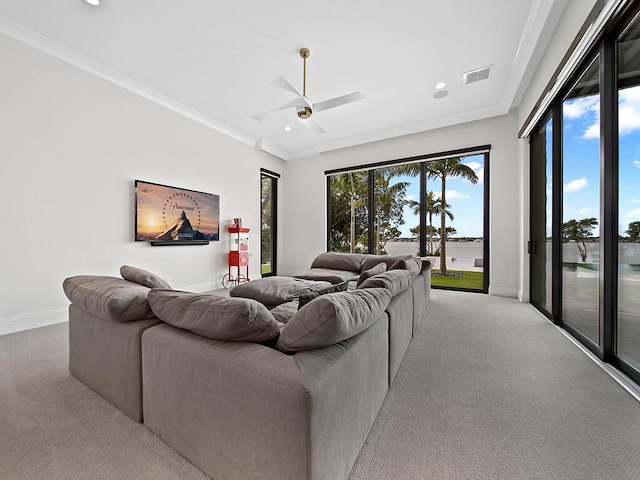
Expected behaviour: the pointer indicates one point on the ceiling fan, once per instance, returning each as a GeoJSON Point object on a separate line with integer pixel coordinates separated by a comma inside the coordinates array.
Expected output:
{"type": "Point", "coordinates": [304, 107]}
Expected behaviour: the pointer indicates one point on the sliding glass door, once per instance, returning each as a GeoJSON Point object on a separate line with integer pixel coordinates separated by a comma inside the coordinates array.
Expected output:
{"type": "Point", "coordinates": [540, 245]}
{"type": "Point", "coordinates": [581, 204]}
{"type": "Point", "coordinates": [589, 177]}
{"type": "Point", "coordinates": [628, 248]}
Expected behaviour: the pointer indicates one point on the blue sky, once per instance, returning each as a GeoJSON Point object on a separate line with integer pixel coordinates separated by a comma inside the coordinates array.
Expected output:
{"type": "Point", "coordinates": [466, 200]}
{"type": "Point", "coordinates": [581, 155]}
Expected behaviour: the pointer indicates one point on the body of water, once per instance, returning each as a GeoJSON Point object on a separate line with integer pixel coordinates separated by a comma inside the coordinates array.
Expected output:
{"type": "Point", "coordinates": [461, 250]}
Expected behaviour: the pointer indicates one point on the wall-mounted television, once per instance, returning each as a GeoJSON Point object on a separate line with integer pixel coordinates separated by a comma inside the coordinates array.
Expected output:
{"type": "Point", "coordinates": [168, 215]}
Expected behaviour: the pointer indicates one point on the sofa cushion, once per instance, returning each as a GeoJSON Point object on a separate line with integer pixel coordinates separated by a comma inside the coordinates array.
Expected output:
{"type": "Point", "coordinates": [328, 275]}
{"type": "Point", "coordinates": [338, 287]}
{"type": "Point", "coordinates": [350, 262]}
{"type": "Point", "coordinates": [371, 261]}
{"type": "Point", "coordinates": [395, 281]}
{"type": "Point", "coordinates": [379, 268]}
{"type": "Point", "coordinates": [276, 290]}
{"type": "Point", "coordinates": [142, 277]}
{"type": "Point", "coordinates": [108, 297]}
{"type": "Point", "coordinates": [215, 316]}
{"type": "Point", "coordinates": [283, 312]}
{"type": "Point", "coordinates": [332, 318]}
{"type": "Point", "coordinates": [412, 263]}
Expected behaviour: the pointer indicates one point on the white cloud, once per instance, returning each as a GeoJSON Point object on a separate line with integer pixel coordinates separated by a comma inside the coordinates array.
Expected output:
{"type": "Point", "coordinates": [629, 110]}
{"type": "Point", "coordinates": [635, 213]}
{"type": "Point", "coordinates": [593, 132]}
{"type": "Point", "coordinates": [575, 185]}
{"type": "Point", "coordinates": [410, 197]}
{"type": "Point", "coordinates": [636, 163]}
{"type": "Point", "coordinates": [579, 107]}
{"type": "Point", "coordinates": [452, 194]}
{"type": "Point", "coordinates": [634, 200]}
{"type": "Point", "coordinates": [583, 211]}
{"type": "Point", "coordinates": [475, 166]}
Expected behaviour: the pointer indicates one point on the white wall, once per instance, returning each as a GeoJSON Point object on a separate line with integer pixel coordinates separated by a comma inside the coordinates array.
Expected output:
{"type": "Point", "coordinates": [71, 146]}
{"type": "Point", "coordinates": [304, 204]}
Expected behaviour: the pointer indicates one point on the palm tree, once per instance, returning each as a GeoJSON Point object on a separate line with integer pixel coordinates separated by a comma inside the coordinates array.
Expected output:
{"type": "Point", "coordinates": [353, 185]}
{"type": "Point", "coordinates": [433, 206]}
{"type": "Point", "coordinates": [443, 169]}
{"type": "Point", "coordinates": [389, 201]}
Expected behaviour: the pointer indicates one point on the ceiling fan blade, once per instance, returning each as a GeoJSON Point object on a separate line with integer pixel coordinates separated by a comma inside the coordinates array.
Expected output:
{"type": "Point", "coordinates": [298, 102]}
{"type": "Point", "coordinates": [283, 83]}
{"type": "Point", "coordinates": [337, 101]}
{"type": "Point", "coordinates": [314, 127]}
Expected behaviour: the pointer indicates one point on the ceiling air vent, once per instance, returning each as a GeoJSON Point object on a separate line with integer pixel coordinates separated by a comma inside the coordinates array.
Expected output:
{"type": "Point", "coordinates": [476, 75]}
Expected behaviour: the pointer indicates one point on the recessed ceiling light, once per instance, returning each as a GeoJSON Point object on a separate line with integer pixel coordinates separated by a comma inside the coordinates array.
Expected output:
{"type": "Point", "coordinates": [440, 85]}
{"type": "Point", "coordinates": [94, 2]}
{"type": "Point", "coordinates": [441, 94]}
{"type": "Point", "coordinates": [287, 128]}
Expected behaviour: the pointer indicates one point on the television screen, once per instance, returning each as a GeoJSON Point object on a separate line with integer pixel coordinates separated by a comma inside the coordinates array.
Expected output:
{"type": "Point", "coordinates": [171, 214]}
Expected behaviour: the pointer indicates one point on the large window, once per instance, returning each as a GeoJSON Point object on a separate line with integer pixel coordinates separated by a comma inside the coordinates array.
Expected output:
{"type": "Point", "coordinates": [595, 187]}
{"type": "Point", "coordinates": [431, 207]}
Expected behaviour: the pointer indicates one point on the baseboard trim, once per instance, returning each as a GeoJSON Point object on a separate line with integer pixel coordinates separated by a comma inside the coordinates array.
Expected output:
{"type": "Point", "coordinates": [503, 292]}
{"type": "Point", "coordinates": [33, 320]}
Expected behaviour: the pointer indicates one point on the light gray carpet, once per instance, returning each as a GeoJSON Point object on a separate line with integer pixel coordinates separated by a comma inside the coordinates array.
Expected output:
{"type": "Point", "coordinates": [491, 390]}
{"type": "Point", "coordinates": [488, 390]}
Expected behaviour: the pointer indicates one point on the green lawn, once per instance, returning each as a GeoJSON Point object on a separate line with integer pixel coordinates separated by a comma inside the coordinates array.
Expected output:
{"type": "Point", "coordinates": [468, 280]}
{"type": "Point", "coordinates": [265, 268]}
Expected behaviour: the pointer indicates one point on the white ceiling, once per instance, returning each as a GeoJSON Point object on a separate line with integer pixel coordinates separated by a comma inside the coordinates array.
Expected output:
{"type": "Point", "coordinates": [215, 61]}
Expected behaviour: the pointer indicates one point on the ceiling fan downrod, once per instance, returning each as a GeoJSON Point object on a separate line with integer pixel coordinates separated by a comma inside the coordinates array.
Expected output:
{"type": "Point", "coordinates": [305, 112]}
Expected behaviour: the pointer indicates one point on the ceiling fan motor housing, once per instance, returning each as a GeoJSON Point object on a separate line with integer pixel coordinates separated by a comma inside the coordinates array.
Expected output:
{"type": "Point", "coordinates": [304, 112]}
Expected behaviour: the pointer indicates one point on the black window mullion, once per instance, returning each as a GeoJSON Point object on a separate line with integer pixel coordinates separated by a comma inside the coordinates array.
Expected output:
{"type": "Point", "coordinates": [609, 199]}
{"type": "Point", "coordinates": [371, 214]}
{"type": "Point", "coordinates": [556, 215]}
{"type": "Point", "coordinates": [423, 209]}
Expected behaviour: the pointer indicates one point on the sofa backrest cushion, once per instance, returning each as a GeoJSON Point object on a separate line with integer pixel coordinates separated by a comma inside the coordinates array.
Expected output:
{"type": "Point", "coordinates": [110, 298]}
{"type": "Point", "coordinates": [338, 287]}
{"type": "Point", "coordinates": [395, 281]}
{"type": "Point", "coordinates": [350, 262]}
{"type": "Point", "coordinates": [215, 316]}
{"type": "Point", "coordinates": [379, 268]}
{"type": "Point", "coordinates": [412, 263]}
{"type": "Point", "coordinates": [332, 318]}
{"type": "Point", "coordinates": [142, 277]}
{"type": "Point", "coordinates": [276, 290]}
{"type": "Point", "coordinates": [371, 261]}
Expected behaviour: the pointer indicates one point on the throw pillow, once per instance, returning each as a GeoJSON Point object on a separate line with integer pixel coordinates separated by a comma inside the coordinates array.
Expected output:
{"type": "Point", "coordinates": [276, 290]}
{"type": "Point", "coordinates": [142, 277]}
{"type": "Point", "coordinates": [379, 268]}
{"type": "Point", "coordinates": [215, 316]}
{"type": "Point", "coordinates": [333, 318]}
{"type": "Point", "coordinates": [412, 264]}
{"type": "Point", "coordinates": [395, 281]}
{"type": "Point", "coordinates": [338, 287]}
{"type": "Point", "coordinates": [108, 297]}
{"type": "Point", "coordinates": [339, 261]}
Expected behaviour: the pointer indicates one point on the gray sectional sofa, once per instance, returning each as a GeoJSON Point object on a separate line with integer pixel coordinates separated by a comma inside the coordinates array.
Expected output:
{"type": "Point", "coordinates": [240, 391]}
